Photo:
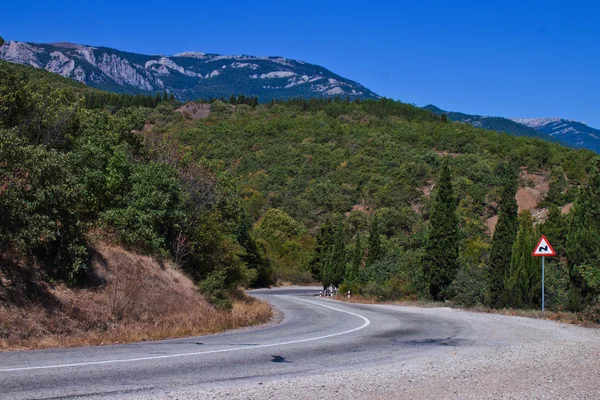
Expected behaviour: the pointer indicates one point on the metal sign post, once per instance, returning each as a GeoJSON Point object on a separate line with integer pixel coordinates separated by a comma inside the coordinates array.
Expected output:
{"type": "Point", "coordinates": [543, 294]}
{"type": "Point", "coordinates": [543, 249]}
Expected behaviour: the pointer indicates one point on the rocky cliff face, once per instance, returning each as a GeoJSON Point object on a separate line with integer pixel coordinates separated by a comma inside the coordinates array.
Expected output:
{"type": "Point", "coordinates": [188, 75]}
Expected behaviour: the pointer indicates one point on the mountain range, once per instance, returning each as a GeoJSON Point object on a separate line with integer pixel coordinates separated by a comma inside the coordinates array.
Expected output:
{"type": "Point", "coordinates": [575, 133]}
{"type": "Point", "coordinates": [194, 75]}
{"type": "Point", "coordinates": [188, 75]}
{"type": "Point", "coordinates": [567, 132]}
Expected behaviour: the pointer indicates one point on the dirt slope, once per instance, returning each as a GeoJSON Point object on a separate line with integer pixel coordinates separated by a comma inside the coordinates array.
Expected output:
{"type": "Point", "coordinates": [194, 110]}
{"type": "Point", "coordinates": [528, 197]}
{"type": "Point", "coordinates": [130, 297]}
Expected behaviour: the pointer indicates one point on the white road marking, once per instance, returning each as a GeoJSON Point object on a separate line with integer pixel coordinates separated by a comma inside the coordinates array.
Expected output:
{"type": "Point", "coordinates": [366, 323]}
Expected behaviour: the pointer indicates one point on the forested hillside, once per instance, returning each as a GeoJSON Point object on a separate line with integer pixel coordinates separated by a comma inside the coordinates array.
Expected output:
{"type": "Point", "coordinates": [392, 201]}
{"type": "Point", "coordinates": [383, 198]}
{"type": "Point", "coordinates": [70, 173]}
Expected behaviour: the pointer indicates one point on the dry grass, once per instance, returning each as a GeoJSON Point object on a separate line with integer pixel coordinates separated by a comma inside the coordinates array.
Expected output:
{"type": "Point", "coordinates": [134, 298]}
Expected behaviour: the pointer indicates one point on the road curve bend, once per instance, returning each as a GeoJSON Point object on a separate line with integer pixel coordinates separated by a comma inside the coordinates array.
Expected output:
{"type": "Point", "coordinates": [328, 349]}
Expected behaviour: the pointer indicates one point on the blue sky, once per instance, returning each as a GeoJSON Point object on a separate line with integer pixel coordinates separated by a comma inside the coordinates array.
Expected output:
{"type": "Point", "coordinates": [502, 58]}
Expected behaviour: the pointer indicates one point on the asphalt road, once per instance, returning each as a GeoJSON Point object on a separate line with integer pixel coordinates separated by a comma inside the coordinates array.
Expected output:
{"type": "Point", "coordinates": [317, 338]}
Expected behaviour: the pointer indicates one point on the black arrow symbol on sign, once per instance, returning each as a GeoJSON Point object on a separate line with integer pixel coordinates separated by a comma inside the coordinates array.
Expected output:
{"type": "Point", "coordinates": [543, 248]}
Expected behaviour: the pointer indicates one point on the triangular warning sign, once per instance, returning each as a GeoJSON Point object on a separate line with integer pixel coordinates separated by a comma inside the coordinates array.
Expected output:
{"type": "Point", "coordinates": [543, 248]}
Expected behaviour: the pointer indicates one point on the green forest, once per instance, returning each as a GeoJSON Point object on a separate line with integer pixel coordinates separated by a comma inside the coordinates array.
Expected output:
{"type": "Point", "coordinates": [378, 197]}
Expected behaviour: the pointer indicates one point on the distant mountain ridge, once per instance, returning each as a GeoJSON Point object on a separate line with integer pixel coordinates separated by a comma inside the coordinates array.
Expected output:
{"type": "Point", "coordinates": [569, 133]}
{"type": "Point", "coordinates": [498, 124]}
{"type": "Point", "coordinates": [188, 75]}
{"type": "Point", "coordinates": [574, 132]}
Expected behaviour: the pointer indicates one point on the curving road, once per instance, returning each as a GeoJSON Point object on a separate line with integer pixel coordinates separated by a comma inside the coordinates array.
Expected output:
{"type": "Point", "coordinates": [328, 349]}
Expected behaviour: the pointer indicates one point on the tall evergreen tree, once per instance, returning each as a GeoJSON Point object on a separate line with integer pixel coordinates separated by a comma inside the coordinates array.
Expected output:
{"type": "Point", "coordinates": [338, 257]}
{"type": "Point", "coordinates": [555, 229]}
{"type": "Point", "coordinates": [374, 246]}
{"type": "Point", "coordinates": [504, 236]}
{"type": "Point", "coordinates": [440, 263]}
{"type": "Point", "coordinates": [523, 282]}
{"type": "Point", "coordinates": [583, 238]}
{"type": "Point", "coordinates": [353, 268]}
{"type": "Point", "coordinates": [558, 187]}
{"type": "Point", "coordinates": [322, 253]}
{"type": "Point", "coordinates": [252, 255]}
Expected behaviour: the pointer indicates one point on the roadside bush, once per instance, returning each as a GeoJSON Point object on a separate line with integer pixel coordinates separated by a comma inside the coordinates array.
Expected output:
{"type": "Point", "coordinates": [592, 312]}
{"type": "Point", "coordinates": [395, 288]}
{"type": "Point", "coordinates": [352, 286]}
{"type": "Point", "coordinates": [469, 288]}
{"type": "Point", "coordinates": [558, 285]}
{"type": "Point", "coordinates": [215, 290]}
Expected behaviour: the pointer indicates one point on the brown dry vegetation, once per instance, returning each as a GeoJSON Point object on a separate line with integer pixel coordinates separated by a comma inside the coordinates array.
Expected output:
{"type": "Point", "coordinates": [130, 298]}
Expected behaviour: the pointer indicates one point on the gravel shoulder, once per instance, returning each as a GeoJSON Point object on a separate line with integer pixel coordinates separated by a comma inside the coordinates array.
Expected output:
{"type": "Point", "coordinates": [499, 357]}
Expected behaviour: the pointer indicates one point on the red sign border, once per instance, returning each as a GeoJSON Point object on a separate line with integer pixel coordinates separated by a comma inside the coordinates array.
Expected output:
{"type": "Point", "coordinates": [538, 245]}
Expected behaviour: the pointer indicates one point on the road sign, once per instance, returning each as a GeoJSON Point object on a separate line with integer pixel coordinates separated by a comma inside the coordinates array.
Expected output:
{"type": "Point", "coordinates": [543, 249]}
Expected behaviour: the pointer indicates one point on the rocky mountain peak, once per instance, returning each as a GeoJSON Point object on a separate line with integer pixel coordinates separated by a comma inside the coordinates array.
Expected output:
{"type": "Point", "coordinates": [188, 75]}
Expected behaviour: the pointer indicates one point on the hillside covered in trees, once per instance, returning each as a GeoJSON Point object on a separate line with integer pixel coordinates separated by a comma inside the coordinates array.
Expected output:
{"type": "Point", "coordinates": [393, 201]}
{"type": "Point", "coordinates": [386, 199]}
{"type": "Point", "coordinates": [75, 169]}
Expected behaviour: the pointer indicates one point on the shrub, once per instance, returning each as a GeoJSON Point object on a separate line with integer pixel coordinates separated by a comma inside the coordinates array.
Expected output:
{"type": "Point", "coordinates": [592, 312]}
{"type": "Point", "coordinates": [152, 208]}
{"type": "Point", "coordinates": [38, 203]}
{"type": "Point", "coordinates": [557, 284]}
{"type": "Point", "coordinates": [215, 289]}
{"type": "Point", "coordinates": [469, 287]}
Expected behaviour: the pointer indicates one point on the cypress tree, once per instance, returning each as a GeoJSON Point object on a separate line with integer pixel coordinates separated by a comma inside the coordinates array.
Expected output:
{"type": "Point", "coordinates": [353, 269]}
{"type": "Point", "coordinates": [374, 246]}
{"type": "Point", "coordinates": [523, 282]}
{"type": "Point", "coordinates": [327, 272]}
{"type": "Point", "coordinates": [504, 236]}
{"type": "Point", "coordinates": [321, 255]}
{"type": "Point", "coordinates": [338, 257]}
{"type": "Point", "coordinates": [558, 187]}
{"type": "Point", "coordinates": [440, 263]}
{"type": "Point", "coordinates": [555, 229]}
{"type": "Point", "coordinates": [583, 237]}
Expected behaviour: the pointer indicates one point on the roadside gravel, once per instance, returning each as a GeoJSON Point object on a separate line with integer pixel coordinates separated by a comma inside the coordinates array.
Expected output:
{"type": "Point", "coordinates": [498, 357]}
